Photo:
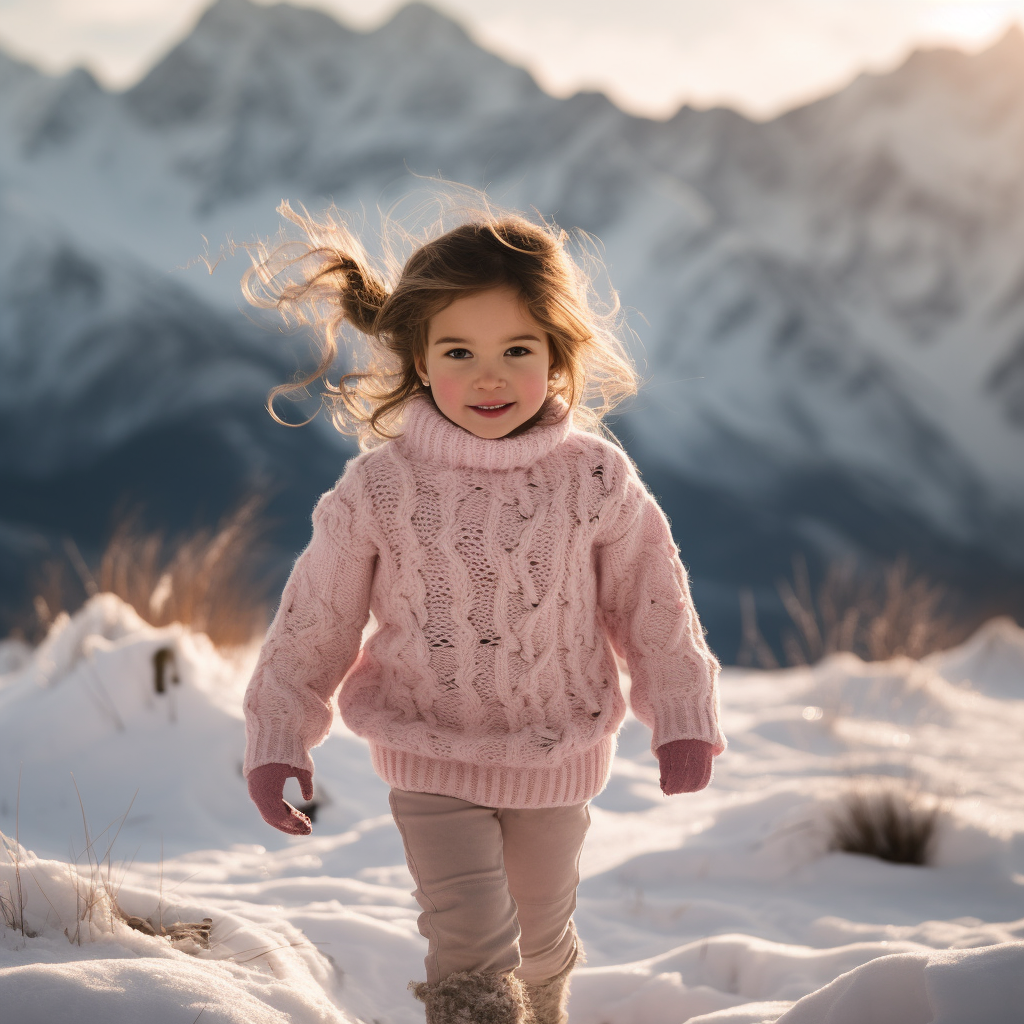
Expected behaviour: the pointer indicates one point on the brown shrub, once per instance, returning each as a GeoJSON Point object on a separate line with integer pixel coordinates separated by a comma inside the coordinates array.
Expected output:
{"type": "Point", "coordinates": [203, 580]}
{"type": "Point", "coordinates": [877, 615]}
{"type": "Point", "coordinates": [208, 580]}
{"type": "Point", "coordinates": [893, 822]}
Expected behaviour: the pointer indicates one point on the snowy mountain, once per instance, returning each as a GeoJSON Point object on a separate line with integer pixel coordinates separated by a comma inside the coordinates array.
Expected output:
{"type": "Point", "coordinates": [120, 387]}
{"type": "Point", "coordinates": [829, 306]}
{"type": "Point", "coordinates": [903, 194]}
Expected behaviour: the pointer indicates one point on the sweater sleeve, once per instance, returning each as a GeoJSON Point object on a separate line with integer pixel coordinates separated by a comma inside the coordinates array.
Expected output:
{"type": "Point", "coordinates": [649, 616]}
{"type": "Point", "coordinates": [315, 636]}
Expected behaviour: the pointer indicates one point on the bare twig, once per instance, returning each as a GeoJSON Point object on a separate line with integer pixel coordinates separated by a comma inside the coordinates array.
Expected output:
{"type": "Point", "coordinates": [45, 897]}
{"type": "Point", "coordinates": [12, 904]}
{"type": "Point", "coordinates": [160, 900]}
{"type": "Point", "coordinates": [8, 910]}
{"type": "Point", "coordinates": [107, 703]}
{"type": "Point", "coordinates": [76, 559]}
{"type": "Point", "coordinates": [754, 647]}
{"type": "Point", "coordinates": [272, 949]}
{"type": "Point", "coordinates": [17, 855]}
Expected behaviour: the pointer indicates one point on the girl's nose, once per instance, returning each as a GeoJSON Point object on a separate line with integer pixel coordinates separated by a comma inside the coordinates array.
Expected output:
{"type": "Point", "coordinates": [489, 377]}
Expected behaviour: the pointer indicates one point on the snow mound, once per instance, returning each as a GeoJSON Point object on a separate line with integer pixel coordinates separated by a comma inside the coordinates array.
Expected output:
{"type": "Point", "coordinates": [13, 655]}
{"type": "Point", "coordinates": [725, 906]}
{"type": "Point", "coordinates": [748, 1013]}
{"type": "Point", "coordinates": [127, 715]}
{"type": "Point", "coordinates": [901, 691]}
{"type": "Point", "coordinates": [990, 662]}
{"type": "Point", "coordinates": [124, 991]}
{"type": "Point", "coordinates": [948, 987]}
{"type": "Point", "coordinates": [895, 983]}
{"type": "Point", "coordinates": [80, 952]}
{"type": "Point", "coordinates": [721, 972]}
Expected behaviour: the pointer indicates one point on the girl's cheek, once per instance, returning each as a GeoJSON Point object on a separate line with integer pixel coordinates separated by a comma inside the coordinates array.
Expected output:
{"type": "Point", "coordinates": [446, 391]}
{"type": "Point", "coordinates": [534, 386]}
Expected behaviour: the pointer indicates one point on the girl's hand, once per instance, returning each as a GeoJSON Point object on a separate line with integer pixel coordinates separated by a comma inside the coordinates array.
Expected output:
{"type": "Point", "coordinates": [266, 787]}
{"type": "Point", "coordinates": [685, 766]}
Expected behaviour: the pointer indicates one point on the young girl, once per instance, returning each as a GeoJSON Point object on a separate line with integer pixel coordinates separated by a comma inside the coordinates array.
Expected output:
{"type": "Point", "coordinates": [506, 547]}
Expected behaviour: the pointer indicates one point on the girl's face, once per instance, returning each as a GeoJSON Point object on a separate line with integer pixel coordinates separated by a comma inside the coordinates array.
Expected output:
{"type": "Point", "coordinates": [487, 361]}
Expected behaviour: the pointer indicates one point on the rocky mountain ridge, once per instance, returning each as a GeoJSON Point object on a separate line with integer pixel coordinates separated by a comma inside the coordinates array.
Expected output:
{"type": "Point", "coordinates": [829, 306]}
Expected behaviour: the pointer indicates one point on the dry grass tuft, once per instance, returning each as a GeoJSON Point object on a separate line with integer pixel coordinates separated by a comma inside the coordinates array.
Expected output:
{"type": "Point", "coordinates": [95, 892]}
{"type": "Point", "coordinates": [894, 822]}
{"type": "Point", "coordinates": [205, 580]}
{"type": "Point", "coordinates": [12, 901]}
{"type": "Point", "coordinates": [195, 934]}
{"type": "Point", "coordinates": [12, 904]}
{"type": "Point", "coordinates": [96, 886]}
{"type": "Point", "coordinates": [877, 615]}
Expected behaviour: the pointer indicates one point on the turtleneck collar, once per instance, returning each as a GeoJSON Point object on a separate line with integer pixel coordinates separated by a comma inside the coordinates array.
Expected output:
{"type": "Point", "coordinates": [429, 436]}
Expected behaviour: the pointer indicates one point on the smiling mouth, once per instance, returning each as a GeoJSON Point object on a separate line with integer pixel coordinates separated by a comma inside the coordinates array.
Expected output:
{"type": "Point", "coordinates": [492, 407]}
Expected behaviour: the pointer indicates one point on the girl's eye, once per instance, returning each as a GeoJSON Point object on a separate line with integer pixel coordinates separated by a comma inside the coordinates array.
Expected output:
{"type": "Point", "coordinates": [458, 353]}
{"type": "Point", "coordinates": [518, 350]}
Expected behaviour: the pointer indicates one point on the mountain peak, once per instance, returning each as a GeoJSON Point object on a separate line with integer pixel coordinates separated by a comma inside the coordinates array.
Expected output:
{"type": "Point", "coordinates": [232, 38]}
{"type": "Point", "coordinates": [227, 12]}
{"type": "Point", "coordinates": [1010, 42]}
{"type": "Point", "coordinates": [418, 20]}
{"type": "Point", "coordinates": [415, 21]}
{"type": "Point", "coordinates": [1005, 56]}
{"type": "Point", "coordinates": [226, 19]}
{"type": "Point", "coordinates": [13, 70]}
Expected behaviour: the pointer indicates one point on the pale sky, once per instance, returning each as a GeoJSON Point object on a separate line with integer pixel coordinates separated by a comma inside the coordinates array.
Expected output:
{"type": "Point", "coordinates": [650, 56]}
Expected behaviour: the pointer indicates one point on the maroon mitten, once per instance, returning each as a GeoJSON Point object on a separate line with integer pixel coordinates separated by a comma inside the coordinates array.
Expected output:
{"type": "Point", "coordinates": [685, 766]}
{"type": "Point", "coordinates": [266, 787]}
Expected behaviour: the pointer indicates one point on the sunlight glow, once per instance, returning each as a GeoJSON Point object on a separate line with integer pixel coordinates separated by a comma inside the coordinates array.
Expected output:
{"type": "Point", "coordinates": [650, 56]}
{"type": "Point", "coordinates": [970, 23]}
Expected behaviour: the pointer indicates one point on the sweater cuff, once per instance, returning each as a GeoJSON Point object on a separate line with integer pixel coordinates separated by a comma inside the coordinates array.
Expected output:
{"type": "Point", "coordinates": [696, 726]}
{"type": "Point", "coordinates": [273, 744]}
{"type": "Point", "coordinates": [675, 716]}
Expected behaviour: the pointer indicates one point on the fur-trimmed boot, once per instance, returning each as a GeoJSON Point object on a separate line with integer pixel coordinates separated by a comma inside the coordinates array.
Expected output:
{"type": "Point", "coordinates": [549, 1000]}
{"type": "Point", "coordinates": [470, 997]}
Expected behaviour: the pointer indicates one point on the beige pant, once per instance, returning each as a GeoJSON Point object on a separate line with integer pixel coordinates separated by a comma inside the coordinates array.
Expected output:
{"type": "Point", "coordinates": [497, 885]}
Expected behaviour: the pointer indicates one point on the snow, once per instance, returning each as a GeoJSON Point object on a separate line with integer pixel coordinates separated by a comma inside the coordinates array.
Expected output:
{"type": "Point", "coordinates": [722, 906]}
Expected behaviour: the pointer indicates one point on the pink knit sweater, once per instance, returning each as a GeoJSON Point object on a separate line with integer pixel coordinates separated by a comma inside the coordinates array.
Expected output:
{"type": "Point", "coordinates": [500, 573]}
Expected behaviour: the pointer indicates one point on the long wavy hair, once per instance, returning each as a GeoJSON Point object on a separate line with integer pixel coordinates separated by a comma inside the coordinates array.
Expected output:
{"type": "Point", "coordinates": [325, 281]}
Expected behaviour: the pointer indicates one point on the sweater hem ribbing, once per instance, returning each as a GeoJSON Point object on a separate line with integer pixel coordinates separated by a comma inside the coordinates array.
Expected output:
{"type": "Point", "coordinates": [577, 779]}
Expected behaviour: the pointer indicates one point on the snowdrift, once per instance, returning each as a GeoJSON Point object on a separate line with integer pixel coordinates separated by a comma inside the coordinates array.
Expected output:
{"type": "Point", "coordinates": [723, 906]}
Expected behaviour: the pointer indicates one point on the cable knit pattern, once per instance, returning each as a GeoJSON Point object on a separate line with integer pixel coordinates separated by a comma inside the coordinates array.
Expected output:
{"type": "Point", "coordinates": [501, 574]}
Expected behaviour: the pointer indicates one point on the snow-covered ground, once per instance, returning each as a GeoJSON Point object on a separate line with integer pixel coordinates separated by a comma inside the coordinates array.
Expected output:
{"type": "Point", "coordinates": [724, 906]}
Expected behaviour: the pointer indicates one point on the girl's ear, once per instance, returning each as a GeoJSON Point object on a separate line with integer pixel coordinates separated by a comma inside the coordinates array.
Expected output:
{"type": "Point", "coordinates": [553, 372]}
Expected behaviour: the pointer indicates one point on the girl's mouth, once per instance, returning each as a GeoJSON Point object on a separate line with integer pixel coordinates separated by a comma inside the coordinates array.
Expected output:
{"type": "Point", "coordinates": [492, 409]}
